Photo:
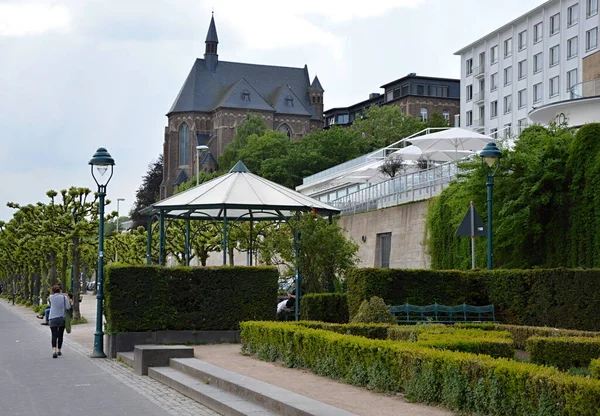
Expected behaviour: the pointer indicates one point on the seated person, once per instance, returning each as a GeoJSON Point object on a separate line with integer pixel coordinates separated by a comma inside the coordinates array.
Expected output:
{"type": "Point", "coordinates": [285, 304]}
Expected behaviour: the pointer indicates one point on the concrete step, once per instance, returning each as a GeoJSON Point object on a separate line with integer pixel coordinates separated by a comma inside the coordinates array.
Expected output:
{"type": "Point", "coordinates": [223, 402]}
{"type": "Point", "coordinates": [126, 357]}
{"type": "Point", "coordinates": [275, 399]}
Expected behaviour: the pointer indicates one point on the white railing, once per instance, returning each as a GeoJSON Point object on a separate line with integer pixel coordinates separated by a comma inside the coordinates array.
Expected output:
{"type": "Point", "coordinates": [412, 187]}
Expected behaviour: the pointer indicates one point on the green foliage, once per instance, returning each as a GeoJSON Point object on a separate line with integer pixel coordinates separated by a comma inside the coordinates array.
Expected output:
{"type": "Point", "coordinates": [253, 125]}
{"type": "Point", "coordinates": [460, 381]}
{"type": "Point", "coordinates": [546, 199]}
{"type": "Point", "coordinates": [149, 191]}
{"type": "Point", "coordinates": [371, 331]}
{"type": "Point", "coordinates": [595, 368]}
{"type": "Point", "coordinates": [417, 287]}
{"type": "Point", "coordinates": [202, 177]}
{"type": "Point", "coordinates": [382, 126]}
{"type": "Point", "coordinates": [325, 307]}
{"type": "Point", "coordinates": [373, 311]}
{"type": "Point", "coordinates": [563, 352]}
{"type": "Point", "coordinates": [153, 298]}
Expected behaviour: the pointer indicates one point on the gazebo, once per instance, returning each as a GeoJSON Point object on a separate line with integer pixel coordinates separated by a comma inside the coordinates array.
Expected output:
{"type": "Point", "coordinates": [237, 196]}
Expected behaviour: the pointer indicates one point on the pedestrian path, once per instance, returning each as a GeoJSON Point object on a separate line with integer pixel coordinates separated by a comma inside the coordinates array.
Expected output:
{"type": "Point", "coordinates": [33, 383]}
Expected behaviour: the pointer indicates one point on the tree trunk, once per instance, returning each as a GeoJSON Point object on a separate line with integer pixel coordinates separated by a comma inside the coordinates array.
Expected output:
{"type": "Point", "coordinates": [230, 251]}
{"type": "Point", "coordinates": [75, 255]}
{"type": "Point", "coordinates": [53, 273]}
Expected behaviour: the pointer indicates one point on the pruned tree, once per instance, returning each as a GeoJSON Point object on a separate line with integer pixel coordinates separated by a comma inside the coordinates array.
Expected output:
{"type": "Point", "coordinates": [393, 166]}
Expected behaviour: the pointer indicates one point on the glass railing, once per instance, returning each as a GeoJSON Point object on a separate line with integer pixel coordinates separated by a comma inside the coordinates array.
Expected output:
{"type": "Point", "coordinates": [586, 89]}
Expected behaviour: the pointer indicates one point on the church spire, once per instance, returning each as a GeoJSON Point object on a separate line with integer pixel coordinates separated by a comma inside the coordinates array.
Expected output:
{"type": "Point", "coordinates": [212, 40]}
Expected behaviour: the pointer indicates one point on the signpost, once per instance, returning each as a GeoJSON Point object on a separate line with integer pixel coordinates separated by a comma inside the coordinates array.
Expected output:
{"type": "Point", "coordinates": [472, 226]}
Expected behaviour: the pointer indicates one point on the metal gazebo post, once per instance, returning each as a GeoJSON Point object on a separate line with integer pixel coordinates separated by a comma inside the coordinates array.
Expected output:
{"type": "Point", "coordinates": [490, 154]}
{"type": "Point", "coordinates": [101, 160]}
{"type": "Point", "coordinates": [298, 278]}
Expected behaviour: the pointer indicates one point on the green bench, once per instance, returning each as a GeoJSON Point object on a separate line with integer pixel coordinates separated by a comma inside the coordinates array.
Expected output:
{"type": "Point", "coordinates": [443, 314]}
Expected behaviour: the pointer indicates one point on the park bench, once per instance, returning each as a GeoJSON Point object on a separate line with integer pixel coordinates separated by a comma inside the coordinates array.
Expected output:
{"type": "Point", "coordinates": [443, 314]}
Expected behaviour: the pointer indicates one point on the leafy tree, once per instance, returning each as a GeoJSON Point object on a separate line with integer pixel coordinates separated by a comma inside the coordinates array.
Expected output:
{"type": "Point", "coordinates": [149, 191]}
{"type": "Point", "coordinates": [253, 125]}
{"type": "Point", "coordinates": [436, 119]}
{"type": "Point", "coordinates": [374, 311]}
{"type": "Point", "coordinates": [382, 126]}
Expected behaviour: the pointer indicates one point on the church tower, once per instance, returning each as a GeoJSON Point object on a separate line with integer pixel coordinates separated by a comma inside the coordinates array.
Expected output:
{"type": "Point", "coordinates": [315, 91]}
{"type": "Point", "coordinates": [211, 59]}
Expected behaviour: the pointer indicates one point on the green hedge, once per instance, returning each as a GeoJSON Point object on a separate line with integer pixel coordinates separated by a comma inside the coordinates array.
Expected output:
{"type": "Point", "coordinates": [560, 298]}
{"type": "Point", "coordinates": [153, 298]}
{"type": "Point", "coordinates": [595, 368]}
{"type": "Point", "coordinates": [520, 334]}
{"type": "Point", "coordinates": [460, 381]}
{"type": "Point", "coordinates": [325, 307]}
{"type": "Point", "coordinates": [563, 352]}
{"type": "Point", "coordinates": [371, 331]}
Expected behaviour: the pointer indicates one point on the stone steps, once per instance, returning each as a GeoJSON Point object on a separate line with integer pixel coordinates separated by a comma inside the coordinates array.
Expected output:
{"type": "Point", "coordinates": [126, 357]}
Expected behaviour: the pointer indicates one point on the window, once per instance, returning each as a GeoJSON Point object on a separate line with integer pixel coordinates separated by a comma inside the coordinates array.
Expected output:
{"type": "Point", "coordinates": [591, 39]}
{"type": "Point", "coordinates": [289, 101]}
{"type": "Point", "coordinates": [522, 40]}
{"type": "Point", "coordinates": [537, 32]}
{"type": "Point", "coordinates": [521, 125]}
{"type": "Point", "coordinates": [592, 8]}
{"type": "Point", "coordinates": [405, 90]}
{"type": "Point", "coordinates": [246, 95]}
{"type": "Point", "coordinates": [508, 130]}
{"type": "Point", "coordinates": [184, 144]}
{"type": "Point", "coordinates": [494, 81]}
{"type": "Point", "coordinates": [522, 68]}
{"type": "Point", "coordinates": [508, 47]}
{"type": "Point", "coordinates": [508, 76]}
{"type": "Point", "coordinates": [420, 89]}
{"type": "Point", "coordinates": [494, 54]}
{"type": "Point", "coordinates": [396, 92]}
{"type": "Point", "coordinates": [554, 24]}
{"type": "Point", "coordinates": [493, 132]}
{"type": "Point", "coordinates": [446, 115]}
{"type": "Point", "coordinates": [494, 109]}
{"type": "Point", "coordinates": [469, 118]}
{"type": "Point", "coordinates": [537, 93]}
{"type": "Point", "coordinates": [481, 114]}
{"type": "Point", "coordinates": [507, 104]}
{"type": "Point", "coordinates": [438, 91]}
{"type": "Point", "coordinates": [423, 114]}
{"type": "Point", "coordinates": [469, 67]}
{"type": "Point", "coordinates": [572, 46]}
{"type": "Point", "coordinates": [285, 129]}
{"type": "Point", "coordinates": [573, 15]}
{"type": "Point", "coordinates": [383, 246]}
{"type": "Point", "coordinates": [522, 98]}
{"type": "Point", "coordinates": [537, 63]}
{"type": "Point", "coordinates": [554, 55]}
{"type": "Point", "coordinates": [553, 87]}
{"type": "Point", "coordinates": [469, 92]}
{"type": "Point", "coordinates": [341, 119]}
{"type": "Point", "coordinates": [571, 79]}
{"type": "Point", "coordinates": [389, 95]}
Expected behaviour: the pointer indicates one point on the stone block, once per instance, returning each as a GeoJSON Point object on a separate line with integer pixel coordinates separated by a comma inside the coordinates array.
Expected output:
{"type": "Point", "coordinates": [145, 356]}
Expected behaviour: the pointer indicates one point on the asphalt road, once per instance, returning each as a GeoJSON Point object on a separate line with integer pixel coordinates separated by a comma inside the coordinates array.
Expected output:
{"type": "Point", "coordinates": [32, 383]}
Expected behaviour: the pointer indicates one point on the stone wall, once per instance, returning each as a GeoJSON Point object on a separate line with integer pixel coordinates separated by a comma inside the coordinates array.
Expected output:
{"type": "Point", "coordinates": [407, 225]}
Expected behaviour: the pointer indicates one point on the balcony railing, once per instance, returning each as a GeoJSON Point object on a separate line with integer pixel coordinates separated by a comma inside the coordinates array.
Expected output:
{"type": "Point", "coordinates": [406, 188]}
{"type": "Point", "coordinates": [586, 89]}
{"type": "Point", "coordinates": [479, 71]}
{"type": "Point", "coordinates": [479, 97]}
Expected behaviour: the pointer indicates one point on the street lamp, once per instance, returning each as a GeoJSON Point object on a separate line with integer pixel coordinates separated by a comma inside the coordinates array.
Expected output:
{"type": "Point", "coordinates": [199, 148]}
{"type": "Point", "coordinates": [100, 162]}
{"type": "Point", "coordinates": [490, 155]}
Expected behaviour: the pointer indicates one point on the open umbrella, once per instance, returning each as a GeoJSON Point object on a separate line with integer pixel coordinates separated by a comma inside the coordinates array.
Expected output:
{"type": "Point", "coordinates": [453, 139]}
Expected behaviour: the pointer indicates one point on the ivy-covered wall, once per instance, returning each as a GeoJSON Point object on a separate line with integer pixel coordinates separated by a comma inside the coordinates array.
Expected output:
{"type": "Point", "coordinates": [153, 298]}
{"type": "Point", "coordinates": [546, 205]}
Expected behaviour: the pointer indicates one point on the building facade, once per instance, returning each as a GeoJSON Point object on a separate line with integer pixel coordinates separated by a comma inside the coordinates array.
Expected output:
{"type": "Point", "coordinates": [534, 61]}
{"type": "Point", "coordinates": [416, 95]}
{"type": "Point", "coordinates": [217, 96]}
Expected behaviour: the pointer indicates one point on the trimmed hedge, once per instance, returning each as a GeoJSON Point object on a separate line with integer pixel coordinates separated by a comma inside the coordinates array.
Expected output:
{"type": "Point", "coordinates": [155, 298]}
{"type": "Point", "coordinates": [563, 352]}
{"type": "Point", "coordinates": [595, 368]}
{"type": "Point", "coordinates": [520, 334]}
{"type": "Point", "coordinates": [459, 381]}
{"type": "Point", "coordinates": [561, 298]}
{"type": "Point", "coordinates": [493, 343]}
{"type": "Point", "coordinates": [324, 307]}
{"type": "Point", "coordinates": [371, 331]}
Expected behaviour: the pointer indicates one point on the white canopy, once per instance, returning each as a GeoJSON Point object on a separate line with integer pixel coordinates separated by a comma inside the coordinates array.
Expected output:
{"type": "Point", "coordinates": [451, 139]}
{"type": "Point", "coordinates": [238, 195]}
{"type": "Point", "coordinates": [412, 152]}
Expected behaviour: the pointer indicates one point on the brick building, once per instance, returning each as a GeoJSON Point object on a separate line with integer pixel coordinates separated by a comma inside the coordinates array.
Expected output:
{"type": "Point", "coordinates": [416, 95]}
{"type": "Point", "coordinates": [217, 96]}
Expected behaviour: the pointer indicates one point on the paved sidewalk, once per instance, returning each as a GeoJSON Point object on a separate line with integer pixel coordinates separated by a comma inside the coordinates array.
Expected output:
{"type": "Point", "coordinates": [33, 383]}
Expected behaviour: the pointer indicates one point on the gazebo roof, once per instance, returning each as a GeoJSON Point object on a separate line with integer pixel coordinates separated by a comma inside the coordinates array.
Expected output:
{"type": "Point", "coordinates": [239, 194]}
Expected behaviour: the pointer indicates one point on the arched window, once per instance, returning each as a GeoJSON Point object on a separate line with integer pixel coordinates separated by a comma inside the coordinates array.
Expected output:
{"type": "Point", "coordinates": [285, 129]}
{"type": "Point", "coordinates": [423, 114]}
{"type": "Point", "coordinates": [184, 144]}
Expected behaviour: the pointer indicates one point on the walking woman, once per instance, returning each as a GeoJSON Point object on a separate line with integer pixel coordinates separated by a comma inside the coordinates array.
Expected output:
{"type": "Point", "coordinates": [59, 305]}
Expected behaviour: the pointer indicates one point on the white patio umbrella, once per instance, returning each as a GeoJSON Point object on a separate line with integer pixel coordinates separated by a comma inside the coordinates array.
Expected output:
{"type": "Point", "coordinates": [451, 139]}
{"type": "Point", "coordinates": [447, 155]}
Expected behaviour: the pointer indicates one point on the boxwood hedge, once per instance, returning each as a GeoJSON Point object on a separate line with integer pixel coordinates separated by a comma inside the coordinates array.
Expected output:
{"type": "Point", "coordinates": [153, 298]}
{"type": "Point", "coordinates": [324, 307]}
{"type": "Point", "coordinates": [563, 352]}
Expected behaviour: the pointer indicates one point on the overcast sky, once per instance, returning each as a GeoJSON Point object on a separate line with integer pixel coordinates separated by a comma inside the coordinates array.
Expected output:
{"type": "Point", "coordinates": [76, 75]}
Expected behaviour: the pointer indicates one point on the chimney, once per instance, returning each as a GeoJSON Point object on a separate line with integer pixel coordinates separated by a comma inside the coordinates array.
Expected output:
{"type": "Point", "coordinates": [374, 95]}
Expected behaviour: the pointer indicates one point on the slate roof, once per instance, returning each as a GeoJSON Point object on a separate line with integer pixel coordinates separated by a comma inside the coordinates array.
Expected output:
{"type": "Point", "coordinates": [211, 36]}
{"type": "Point", "coordinates": [205, 91]}
{"type": "Point", "coordinates": [286, 102]}
{"type": "Point", "coordinates": [316, 85]}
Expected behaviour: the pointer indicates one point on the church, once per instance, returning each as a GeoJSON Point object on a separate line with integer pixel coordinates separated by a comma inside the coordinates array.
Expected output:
{"type": "Point", "coordinates": [217, 96]}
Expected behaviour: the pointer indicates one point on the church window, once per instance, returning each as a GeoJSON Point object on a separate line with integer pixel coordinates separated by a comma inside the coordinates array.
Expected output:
{"type": "Point", "coordinates": [184, 144]}
{"type": "Point", "coordinates": [289, 101]}
{"type": "Point", "coordinates": [246, 95]}
{"type": "Point", "coordinates": [285, 129]}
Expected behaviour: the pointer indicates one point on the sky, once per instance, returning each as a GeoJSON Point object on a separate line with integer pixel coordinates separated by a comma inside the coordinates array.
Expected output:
{"type": "Point", "coordinates": [76, 75]}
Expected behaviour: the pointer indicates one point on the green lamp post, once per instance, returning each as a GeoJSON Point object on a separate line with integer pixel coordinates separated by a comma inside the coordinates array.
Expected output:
{"type": "Point", "coordinates": [100, 163]}
{"type": "Point", "coordinates": [489, 156]}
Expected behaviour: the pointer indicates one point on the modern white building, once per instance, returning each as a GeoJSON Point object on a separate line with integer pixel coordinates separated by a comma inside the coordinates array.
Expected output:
{"type": "Point", "coordinates": [538, 61]}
